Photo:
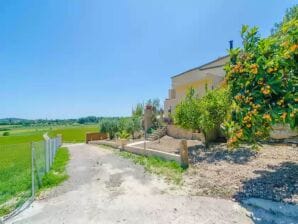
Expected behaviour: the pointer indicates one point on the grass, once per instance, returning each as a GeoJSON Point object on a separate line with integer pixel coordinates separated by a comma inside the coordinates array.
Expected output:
{"type": "Point", "coordinates": [25, 138]}
{"type": "Point", "coordinates": [15, 160]}
{"type": "Point", "coordinates": [75, 133]}
{"type": "Point", "coordinates": [15, 175]}
{"type": "Point", "coordinates": [171, 170]}
{"type": "Point", "coordinates": [57, 173]}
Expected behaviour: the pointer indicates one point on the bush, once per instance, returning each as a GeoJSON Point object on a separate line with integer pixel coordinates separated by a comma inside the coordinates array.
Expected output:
{"type": "Point", "coordinates": [133, 125]}
{"type": "Point", "coordinates": [213, 109]}
{"type": "Point", "coordinates": [115, 126]}
{"type": "Point", "coordinates": [205, 114]}
{"type": "Point", "coordinates": [6, 133]}
{"type": "Point", "coordinates": [110, 126]}
{"type": "Point", "coordinates": [187, 112]}
{"type": "Point", "coordinates": [124, 135]}
{"type": "Point", "coordinates": [263, 81]}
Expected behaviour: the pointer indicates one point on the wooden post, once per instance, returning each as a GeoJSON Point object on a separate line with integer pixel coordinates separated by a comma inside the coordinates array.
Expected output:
{"type": "Point", "coordinates": [122, 145]}
{"type": "Point", "coordinates": [184, 153]}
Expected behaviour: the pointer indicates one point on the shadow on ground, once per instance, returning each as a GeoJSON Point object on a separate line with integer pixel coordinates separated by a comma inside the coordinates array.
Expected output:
{"type": "Point", "coordinates": [279, 183]}
{"type": "Point", "coordinates": [218, 152]}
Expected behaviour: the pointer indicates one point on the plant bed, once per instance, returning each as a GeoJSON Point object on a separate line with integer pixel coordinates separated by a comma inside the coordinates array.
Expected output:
{"type": "Point", "coordinates": [270, 173]}
{"type": "Point", "coordinates": [139, 149]}
{"type": "Point", "coordinates": [170, 145]}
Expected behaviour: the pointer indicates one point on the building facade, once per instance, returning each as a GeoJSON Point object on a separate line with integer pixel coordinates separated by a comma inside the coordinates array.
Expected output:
{"type": "Point", "coordinates": [209, 75]}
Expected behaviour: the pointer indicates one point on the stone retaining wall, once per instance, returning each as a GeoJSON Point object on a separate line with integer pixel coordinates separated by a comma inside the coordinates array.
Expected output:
{"type": "Point", "coordinates": [177, 132]}
{"type": "Point", "coordinates": [140, 150]}
{"type": "Point", "coordinates": [281, 131]}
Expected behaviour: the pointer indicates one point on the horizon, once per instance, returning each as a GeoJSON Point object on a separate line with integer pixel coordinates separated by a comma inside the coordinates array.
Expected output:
{"type": "Point", "coordinates": [52, 119]}
{"type": "Point", "coordinates": [61, 60]}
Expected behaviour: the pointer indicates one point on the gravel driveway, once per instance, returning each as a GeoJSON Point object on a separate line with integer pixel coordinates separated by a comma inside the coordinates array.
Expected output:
{"type": "Point", "coordinates": [104, 188]}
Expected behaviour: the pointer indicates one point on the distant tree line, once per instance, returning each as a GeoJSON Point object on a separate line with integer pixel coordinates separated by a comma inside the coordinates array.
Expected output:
{"type": "Point", "coordinates": [40, 122]}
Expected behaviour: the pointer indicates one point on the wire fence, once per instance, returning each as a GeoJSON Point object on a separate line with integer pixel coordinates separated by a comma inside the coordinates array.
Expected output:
{"type": "Point", "coordinates": [22, 168]}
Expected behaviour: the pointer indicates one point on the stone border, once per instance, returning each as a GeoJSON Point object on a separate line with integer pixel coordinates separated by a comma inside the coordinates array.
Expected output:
{"type": "Point", "coordinates": [270, 211]}
{"type": "Point", "coordinates": [142, 151]}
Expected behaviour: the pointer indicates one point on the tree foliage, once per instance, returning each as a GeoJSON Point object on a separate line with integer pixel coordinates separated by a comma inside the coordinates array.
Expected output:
{"type": "Point", "coordinates": [130, 125]}
{"type": "Point", "coordinates": [117, 126]}
{"type": "Point", "coordinates": [263, 81]}
{"type": "Point", "coordinates": [138, 110]}
{"type": "Point", "coordinates": [89, 119]}
{"type": "Point", "coordinates": [187, 112]}
{"type": "Point", "coordinates": [204, 114]}
{"type": "Point", "coordinates": [155, 103]}
{"type": "Point", "coordinates": [291, 13]}
{"type": "Point", "coordinates": [213, 107]}
{"type": "Point", "coordinates": [110, 126]}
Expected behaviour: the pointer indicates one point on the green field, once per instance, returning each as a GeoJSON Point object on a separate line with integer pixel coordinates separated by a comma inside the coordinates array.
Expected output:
{"type": "Point", "coordinates": [15, 175]}
{"type": "Point", "coordinates": [75, 133]}
{"type": "Point", "coordinates": [15, 159]}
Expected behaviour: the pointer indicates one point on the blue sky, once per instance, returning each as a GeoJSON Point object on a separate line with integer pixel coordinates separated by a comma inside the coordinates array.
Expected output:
{"type": "Point", "coordinates": [73, 58]}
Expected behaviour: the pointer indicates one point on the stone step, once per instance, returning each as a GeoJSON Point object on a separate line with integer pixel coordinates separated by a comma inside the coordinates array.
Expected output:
{"type": "Point", "coordinates": [157, 134]}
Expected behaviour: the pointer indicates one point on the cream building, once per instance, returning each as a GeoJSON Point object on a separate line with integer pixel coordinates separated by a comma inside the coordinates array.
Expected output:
{"type": "Point", "coordinates": [210, 74]}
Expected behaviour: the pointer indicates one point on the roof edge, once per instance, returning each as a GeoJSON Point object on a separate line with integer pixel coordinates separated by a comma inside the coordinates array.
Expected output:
{"type": "Point", "coordinates": [199, 67]}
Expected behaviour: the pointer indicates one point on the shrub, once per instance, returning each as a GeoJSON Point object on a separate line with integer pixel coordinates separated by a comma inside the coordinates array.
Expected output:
{"type": "Point", "coordinates": [263, 81]}
{"type": "Point", "coordinates": [124, 135]}
{"type": "Point", "coordinates": [205, 114]}
{"type": "Point", "coordinates": [110, 126]}
{"type": "Point", "coordinates": [138, 110]}
{"type": "Point", "coordinates": [6, 133]}
{"type": "Point", "coordinates": [133, 125]}
{"type": "Point", "coordinates": [187, 112]}
{"type": "Point", "coordinates": [213, 109]}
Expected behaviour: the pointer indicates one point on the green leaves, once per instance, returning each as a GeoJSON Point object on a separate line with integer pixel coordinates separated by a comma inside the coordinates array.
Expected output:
{"type": "Point", "coordinates": [187, 112]}
{"type": "Point", "coordinates": [213, 106]}
{"type": "Point", "coordinates": [244, 30]}
{"type": "Point", "coordinates": [263, 81]}
{"type": "Point", "coordinates": [110, 126]}
{"type": "Point", "coordinates": [206, 113]}
{"type": "Point", "coordinates": [124, 135]}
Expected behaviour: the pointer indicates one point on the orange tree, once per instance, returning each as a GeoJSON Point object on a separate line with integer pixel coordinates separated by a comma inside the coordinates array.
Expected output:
{"type": "Point", "coordinates": [204, 114]}
{"type": "Point", "coordinates": [262, 78]}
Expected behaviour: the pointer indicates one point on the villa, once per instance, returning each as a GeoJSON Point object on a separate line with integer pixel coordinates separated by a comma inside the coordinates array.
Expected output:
{"type": "Point", "coordinates": [209, 75]}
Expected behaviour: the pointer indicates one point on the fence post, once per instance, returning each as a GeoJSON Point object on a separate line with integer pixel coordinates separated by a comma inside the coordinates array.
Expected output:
{"type": "Point", "coordinates": [184, 154]}
{"type": "Point", "coordinates": [32, 170]}
{"type": "Point", "coordinates": [54, 148]}
{"type": "Point", "coordinates": [47, 152]}
{"type": "Point", "coordinates": [56, 144]}
{"type": "Point", "coordinates": [49, 145]}
{"type": "Point", "coordinates": [59, 140]}
{"type": "Point", "coordinates": [51, 152]}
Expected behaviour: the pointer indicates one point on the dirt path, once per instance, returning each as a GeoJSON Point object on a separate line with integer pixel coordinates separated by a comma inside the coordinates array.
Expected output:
{"type": "Point", "coordinates": [104, 188]}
